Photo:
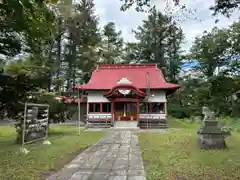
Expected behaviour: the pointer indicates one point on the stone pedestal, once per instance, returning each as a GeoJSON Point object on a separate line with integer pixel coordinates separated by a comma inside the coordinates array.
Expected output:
{"type": "Point", "coordinates": [210, 136]}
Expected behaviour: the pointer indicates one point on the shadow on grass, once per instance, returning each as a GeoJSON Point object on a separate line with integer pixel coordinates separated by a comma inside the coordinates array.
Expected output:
{"type": "Point", "coordinates": [59, 133]}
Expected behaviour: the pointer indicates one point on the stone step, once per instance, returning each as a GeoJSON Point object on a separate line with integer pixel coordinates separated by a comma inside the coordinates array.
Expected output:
{"type": "Point", "coordinates": [125, 124]}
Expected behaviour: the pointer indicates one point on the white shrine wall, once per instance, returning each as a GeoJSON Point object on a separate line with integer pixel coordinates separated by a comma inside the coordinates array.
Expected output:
{"type": "Point", "coordinates": [157, 96]}
{"type": "Point", "coordinates": [95, 97]}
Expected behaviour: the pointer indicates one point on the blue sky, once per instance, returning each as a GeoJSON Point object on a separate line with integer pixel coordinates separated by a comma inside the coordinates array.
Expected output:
{"type": "Point", "coordinates": [192, 25]}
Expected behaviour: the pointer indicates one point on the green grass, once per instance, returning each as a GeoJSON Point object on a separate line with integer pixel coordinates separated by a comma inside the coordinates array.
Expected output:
{"type": "Point", "coordinates": [182, 123]}
{"type": "Point", "coordinates": [42, 159]}
{"type": "Point", "coordinates": [176, 155]}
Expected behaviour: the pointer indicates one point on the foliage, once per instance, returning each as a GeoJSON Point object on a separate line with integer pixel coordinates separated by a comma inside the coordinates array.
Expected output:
{"type": "Point", "coordinates": [26, 20]}
{"type": "Point", "coordinates": [59, 111]}
{"type": "Point", "coordinates": [14, 91]}
{"type": "Point", "coordinates": [217, 82]}
{"type": "Point", "coordinates": [216, 93]}
{"type": "Point", "coordinates": [81, 52]}
{"type": "Point", "coordinates": [211, 50]}
{"type": "Point", "coordinates": [41, 160]}
{"type": "Point", "coordinates": [112, 44]}
{"type": "Point", "coordinates": [159, 41]}
{"type": "Point", "coordinates": [225, 7]}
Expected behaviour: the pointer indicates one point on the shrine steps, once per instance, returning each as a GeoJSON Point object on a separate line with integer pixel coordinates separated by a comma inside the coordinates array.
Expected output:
{"type": "Point", "coordinates": [126, 125]}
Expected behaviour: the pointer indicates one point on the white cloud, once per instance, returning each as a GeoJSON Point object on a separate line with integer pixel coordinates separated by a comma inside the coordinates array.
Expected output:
{"type": "Point", "coordinates": [192, 25]}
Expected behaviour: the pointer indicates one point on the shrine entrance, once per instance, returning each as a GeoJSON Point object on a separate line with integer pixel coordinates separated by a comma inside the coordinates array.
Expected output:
{"type": "Point", "coordinates": [125, 100]}
{"type": "Point", "coordinates": [126, 111]}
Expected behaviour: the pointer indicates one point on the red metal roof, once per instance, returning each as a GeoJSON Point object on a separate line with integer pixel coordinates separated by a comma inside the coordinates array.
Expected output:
{"type": "Point", "coordinates": [105, 77]}
{"type": "Point", "coordinates": [71, 100]}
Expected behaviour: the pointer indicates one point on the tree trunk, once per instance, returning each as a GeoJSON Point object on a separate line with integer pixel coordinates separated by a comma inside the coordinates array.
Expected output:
{"type": "Point", "coordinates": [58, 53]}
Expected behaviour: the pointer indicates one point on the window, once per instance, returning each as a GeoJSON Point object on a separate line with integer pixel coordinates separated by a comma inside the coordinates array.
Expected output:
{"type": "Point", "coordinates": [91, 107]}
{"type": "Point", "coordinates": [157, 107]}
{"type": "Point", "coordinates": [100, 107]}
{"type": "Point", "coordinates": [94, 107]}
{"type": "Point", "coordinates": [106, 107]}
{"type": "Point", "coordinates": [97, 107]}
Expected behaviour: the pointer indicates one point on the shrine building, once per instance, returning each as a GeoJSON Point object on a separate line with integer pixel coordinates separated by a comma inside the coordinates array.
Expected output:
{"type": "Point", "coordinates": [127, 92]}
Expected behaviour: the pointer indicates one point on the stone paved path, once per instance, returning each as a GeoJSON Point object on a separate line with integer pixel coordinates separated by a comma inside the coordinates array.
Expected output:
{"type": "Point", "coordinates": [115, 157]}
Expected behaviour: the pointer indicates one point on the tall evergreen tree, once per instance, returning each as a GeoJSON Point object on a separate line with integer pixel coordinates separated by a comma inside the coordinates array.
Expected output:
{"type": "Point", "coordinates": [173, 51]}
{"type": "Point", "coordinates": [152, 37]}
{"type": "Point", "coordinates": [112, 44]}
{"type": "Point", "coordinates": [159, 42]}
{"type": "Point", "coordinates": [84, 36]}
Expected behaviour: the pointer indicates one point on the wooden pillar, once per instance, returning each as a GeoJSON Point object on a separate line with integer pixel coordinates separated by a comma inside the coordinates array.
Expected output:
{"type": "Point", "coordinates": [137, 110]}
{"type": "Point", "coordinates": [112, 112]}
{"type": "Point", "coordinates": [165, 108]}
{"type": "Point", "coordinates": [87, 111]}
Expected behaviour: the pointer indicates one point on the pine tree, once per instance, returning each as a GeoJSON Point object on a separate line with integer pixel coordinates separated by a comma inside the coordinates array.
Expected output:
{"type": "Point", "coordinates": [173, 52]}
{"type": "Point", "coordinates": [84, 36]}
{"type": "Point", "coordinates": [152, 37]}
{"type": "Point", "coordinates": [159, 41]}
{"type": "Point", "coordinates": [112, 44]}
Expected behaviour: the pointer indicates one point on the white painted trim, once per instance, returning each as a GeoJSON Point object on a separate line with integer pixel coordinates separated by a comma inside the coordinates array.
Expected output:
{"type": "Point", "coordinates": [152, 116]}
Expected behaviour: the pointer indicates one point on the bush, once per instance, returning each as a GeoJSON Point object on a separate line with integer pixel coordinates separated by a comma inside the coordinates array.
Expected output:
{"type": "Point", "coordinates": [59, 111]}
{"type": "Point", "coordinates": [231, 123]}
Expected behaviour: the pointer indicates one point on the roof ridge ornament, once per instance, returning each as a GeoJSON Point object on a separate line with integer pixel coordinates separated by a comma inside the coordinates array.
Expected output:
{"type": "Point", "coordinates": [124, 81]}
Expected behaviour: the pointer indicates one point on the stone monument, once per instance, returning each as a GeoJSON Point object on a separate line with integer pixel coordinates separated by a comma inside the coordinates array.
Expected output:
{"type": "Point", "coordinates": [210, 136]}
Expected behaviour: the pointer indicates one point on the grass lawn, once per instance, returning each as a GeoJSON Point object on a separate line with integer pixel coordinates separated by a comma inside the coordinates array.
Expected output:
{"type": "Point", "coordinates": [42, 159]}
{"type": "Point", "coordinates": [175, 155]}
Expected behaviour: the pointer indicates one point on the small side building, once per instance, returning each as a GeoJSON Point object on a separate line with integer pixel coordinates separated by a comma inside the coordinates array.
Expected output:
{"type": "Point", "coordinates": [124, 92]}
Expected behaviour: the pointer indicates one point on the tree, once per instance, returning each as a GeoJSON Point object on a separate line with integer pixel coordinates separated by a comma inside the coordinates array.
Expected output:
{"type": "Point", "coordinates": [173, 51]}
{"type": "Point", "coordinates": [215, 51]}
{"type": "Point", "coordinates": [234, 38]}
{"type": "Point", "coordinates": [112, 44]}
{"type": "Point", "coordinates": [131, 53]}
{"type": "Point", "coordinates": [22, 23]}
{"type": "Point", "coordinates": [159, 41]}
{"type": "Point", "coordinates": [225, 7]}
{"type": "Point", "coordinates": [212, 51]}
{"type": "Point", "coordinates": [152, 37]}
{"type": "Point", "coordinates": [83, 38]}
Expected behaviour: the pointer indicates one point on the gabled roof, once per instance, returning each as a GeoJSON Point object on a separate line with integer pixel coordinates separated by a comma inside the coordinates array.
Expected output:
{"type": "Point", "coordinates": [105, 77]}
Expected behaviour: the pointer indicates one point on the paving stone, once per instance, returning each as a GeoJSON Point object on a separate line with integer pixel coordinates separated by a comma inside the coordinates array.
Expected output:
{"type": "Point", "coordinates": [135, 172]}
{"type": "Point", "coordinates": [116, 156]}
{"type": "Point", "coordinates": [99, 177]}
{"type": "Point", "coordinates": [85, 171]}
{"type": "Point", "coordinates": [80, 176]}
{"type": "Point", "coordinates": [101, 171]}
{"type": "Point", "coordinates": [117, 178]}
{"type": "Point", "coordinates": [72, 166]}
{"type": "Point", "coordinates": [120, 167]}
{"type": "Point", "coordinates": [136, 178]}
{"type": "Point", "coordinates": [118, 173]}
